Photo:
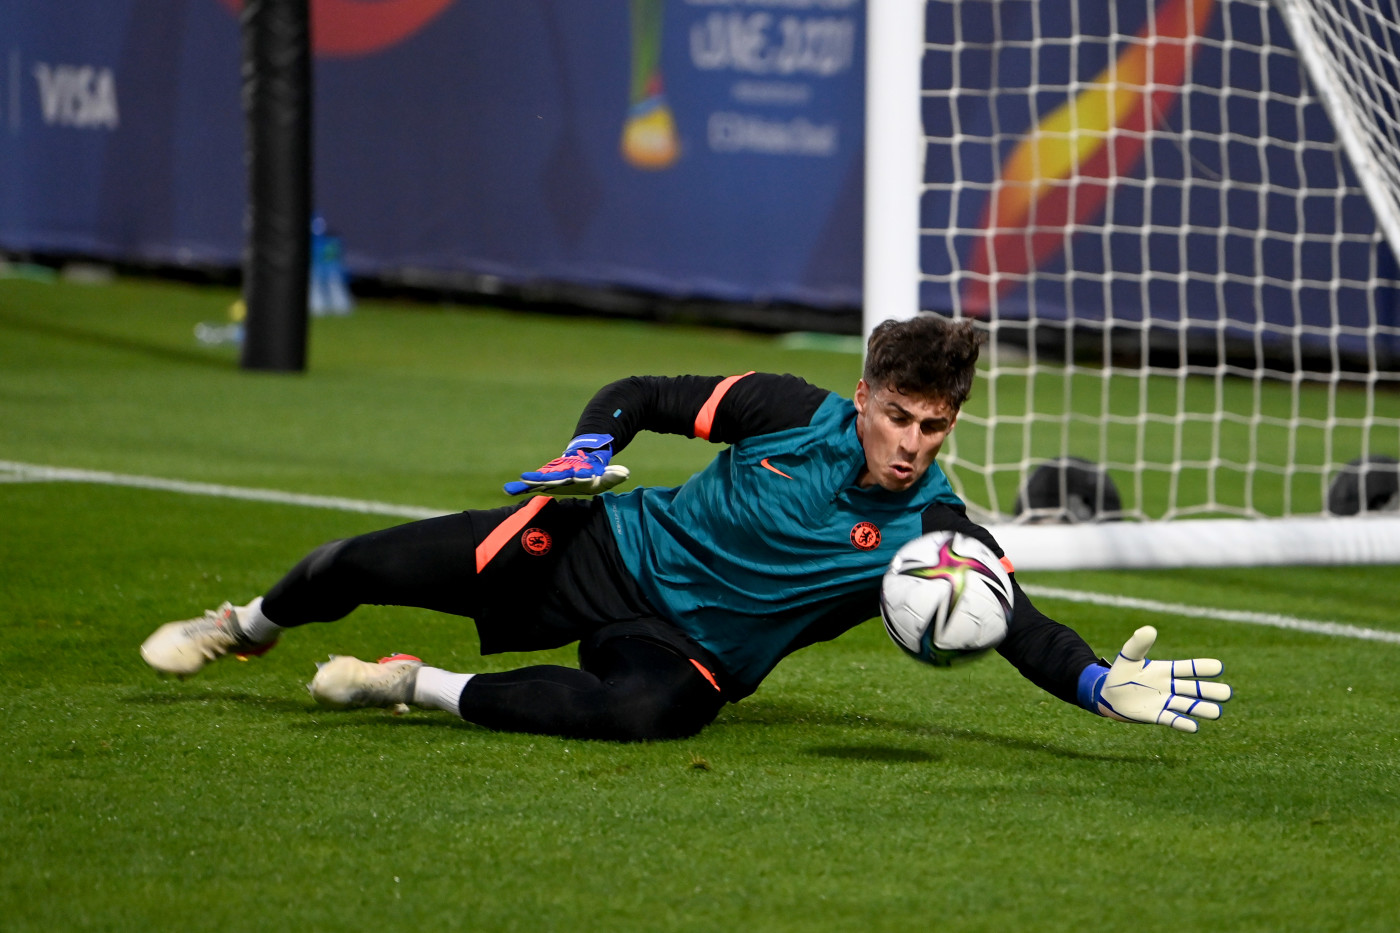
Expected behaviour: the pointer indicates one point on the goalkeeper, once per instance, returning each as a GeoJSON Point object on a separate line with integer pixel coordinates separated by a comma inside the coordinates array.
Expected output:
{"type": "Point", "coordinates": [683, 599]}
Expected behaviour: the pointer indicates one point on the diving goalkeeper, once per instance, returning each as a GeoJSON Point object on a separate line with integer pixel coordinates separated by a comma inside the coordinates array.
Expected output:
{"type": "Point", "coordinates": [683, 599]}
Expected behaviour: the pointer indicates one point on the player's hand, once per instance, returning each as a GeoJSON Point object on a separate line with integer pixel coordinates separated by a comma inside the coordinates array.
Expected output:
{"type": "Point", "coordinates": [582, 470]}
{"type": "Point", "coordinates": [1167, 693]}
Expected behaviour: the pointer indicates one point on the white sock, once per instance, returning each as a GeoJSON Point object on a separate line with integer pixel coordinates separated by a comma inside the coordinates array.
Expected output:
{"type": "Point", "coordinates": [439, 689]}
{"type": "Point", "coordinates": [257, 627]}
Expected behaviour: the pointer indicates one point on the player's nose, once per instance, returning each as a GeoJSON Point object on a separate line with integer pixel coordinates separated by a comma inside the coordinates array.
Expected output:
{"type": "Point", "coordinates": [911, 440]}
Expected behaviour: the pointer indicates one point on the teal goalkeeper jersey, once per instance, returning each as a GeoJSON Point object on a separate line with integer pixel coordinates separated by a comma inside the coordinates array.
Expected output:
{"type": "Point", "coordinates": [754, 552]}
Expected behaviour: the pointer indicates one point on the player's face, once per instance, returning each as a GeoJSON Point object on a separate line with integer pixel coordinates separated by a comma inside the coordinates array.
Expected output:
{"type": "Point", "coordinates": [901, 435]}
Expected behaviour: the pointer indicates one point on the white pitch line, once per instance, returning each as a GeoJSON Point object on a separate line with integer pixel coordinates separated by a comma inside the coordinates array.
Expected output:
{"type": "Point", "coordinates": [1336, 629]}
{"type": "Point", "coordinates": [11, 471]}
{"type": "Point", "coordinates": [31, 472]}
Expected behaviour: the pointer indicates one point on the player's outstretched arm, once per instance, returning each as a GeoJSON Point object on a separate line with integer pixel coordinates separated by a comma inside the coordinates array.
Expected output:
{"type": "Point", "coordinates": [584, 468]}
{"type": "Point", "coordinates": [722, 409]}
{"type": "Point", "coordinates": [1167, 693]}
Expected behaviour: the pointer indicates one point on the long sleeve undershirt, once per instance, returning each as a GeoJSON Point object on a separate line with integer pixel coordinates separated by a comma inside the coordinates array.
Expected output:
{"type": "Point", "coordinates": [1049, 654]}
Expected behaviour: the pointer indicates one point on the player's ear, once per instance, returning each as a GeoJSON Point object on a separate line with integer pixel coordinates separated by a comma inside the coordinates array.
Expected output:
{"type": "Point", "coordinates": [862, 396]}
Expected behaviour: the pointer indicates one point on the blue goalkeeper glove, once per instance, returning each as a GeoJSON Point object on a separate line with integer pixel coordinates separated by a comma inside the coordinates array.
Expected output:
{"type": "Point", "coordinates": [582, 470]}
{"type": "Point", "coordinates": [1166, 693]}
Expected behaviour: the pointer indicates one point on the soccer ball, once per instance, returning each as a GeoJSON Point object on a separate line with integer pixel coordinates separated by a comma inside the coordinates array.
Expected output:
{"type": "Point", "coordinates": [946, 598]}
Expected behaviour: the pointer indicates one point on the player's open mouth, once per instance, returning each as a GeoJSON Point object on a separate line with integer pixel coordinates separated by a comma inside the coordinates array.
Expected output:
{"type": "Point", "coordinates": [901, 471]}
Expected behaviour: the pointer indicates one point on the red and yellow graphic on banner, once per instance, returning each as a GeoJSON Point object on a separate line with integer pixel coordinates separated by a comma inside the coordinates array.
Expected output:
{"type": "Point", "coordinates": [351, 28]}
{"type": "Point", "coordinates": [1063, 171]}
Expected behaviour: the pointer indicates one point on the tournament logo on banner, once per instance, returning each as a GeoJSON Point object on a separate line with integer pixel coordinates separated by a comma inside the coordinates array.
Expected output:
{"type": "Point", "coordinates": [785, 58]}
{"type": "Point", "coordinates": [772, 59]}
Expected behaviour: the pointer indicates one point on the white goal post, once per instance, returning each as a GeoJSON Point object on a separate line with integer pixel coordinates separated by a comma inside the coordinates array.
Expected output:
{"type": "Point", "coordinates": [1178, 222]}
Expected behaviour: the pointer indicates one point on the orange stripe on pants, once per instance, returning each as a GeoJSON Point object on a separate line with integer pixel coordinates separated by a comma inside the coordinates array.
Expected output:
{"type": "Point", "coordinates": [506, 530]}
{"type": "Point", "coordinates": [705, 672]}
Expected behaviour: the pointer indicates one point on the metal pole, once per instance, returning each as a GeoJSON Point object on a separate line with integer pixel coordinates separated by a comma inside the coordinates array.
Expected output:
{"type": "Point", "coordinates": [277, 111]}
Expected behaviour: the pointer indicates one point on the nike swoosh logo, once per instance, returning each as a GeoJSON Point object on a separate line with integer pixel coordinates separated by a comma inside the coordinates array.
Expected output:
{"type": "Point", "coordinates": [768, 466]}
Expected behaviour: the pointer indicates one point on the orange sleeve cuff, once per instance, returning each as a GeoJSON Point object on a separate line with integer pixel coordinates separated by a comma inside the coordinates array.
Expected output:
{"type": "Point", "coordinates": [705, 420]}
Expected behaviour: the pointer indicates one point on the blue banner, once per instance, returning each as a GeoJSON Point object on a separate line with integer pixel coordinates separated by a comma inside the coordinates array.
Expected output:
{"type": "Point", "coordinates": [708, 148]}
{"type": "Point", "coordinates": [1126, 182]}
{"type": "Point", "coordinates": [685, 147]}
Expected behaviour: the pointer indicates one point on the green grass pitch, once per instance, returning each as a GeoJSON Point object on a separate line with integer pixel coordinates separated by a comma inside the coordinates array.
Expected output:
{"type": "Point", "coordinates": [856, 790]}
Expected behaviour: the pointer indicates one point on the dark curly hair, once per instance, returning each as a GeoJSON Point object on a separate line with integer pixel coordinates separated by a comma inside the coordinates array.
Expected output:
{"type": "Point", "coordinates": [926, 356]}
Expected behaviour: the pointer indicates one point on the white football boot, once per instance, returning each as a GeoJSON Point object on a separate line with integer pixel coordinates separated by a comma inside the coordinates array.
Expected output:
{"type": "Point", "coordinates": [345, 682]}
{"type": "Point", "coordinates": [183, 648]}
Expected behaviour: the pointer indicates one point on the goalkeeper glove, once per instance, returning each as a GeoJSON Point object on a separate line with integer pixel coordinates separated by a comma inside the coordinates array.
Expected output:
{"type": "Point", "coordinates": [1135, 689]}
{"type": "Point", "coordinates": [582, 470]}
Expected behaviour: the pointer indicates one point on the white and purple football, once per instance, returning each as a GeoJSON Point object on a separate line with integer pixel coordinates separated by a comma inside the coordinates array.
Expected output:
{"type": "Point", "coordinates": [946, 598]}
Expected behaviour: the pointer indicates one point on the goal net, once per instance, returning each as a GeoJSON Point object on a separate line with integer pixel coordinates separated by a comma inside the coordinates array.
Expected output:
{"type": "Point", "coordinates": [1172, 217]}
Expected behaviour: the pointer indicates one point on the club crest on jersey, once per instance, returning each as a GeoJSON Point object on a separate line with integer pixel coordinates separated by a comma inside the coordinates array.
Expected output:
{"type": "Point", "coordinates": [865, 536]}
{"type": "Point", "coordinates": [536, 541]}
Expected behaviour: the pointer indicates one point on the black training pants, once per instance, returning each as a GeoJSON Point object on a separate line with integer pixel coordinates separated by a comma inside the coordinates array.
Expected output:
{"type": "Point", "coordinates": [534, 576]}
